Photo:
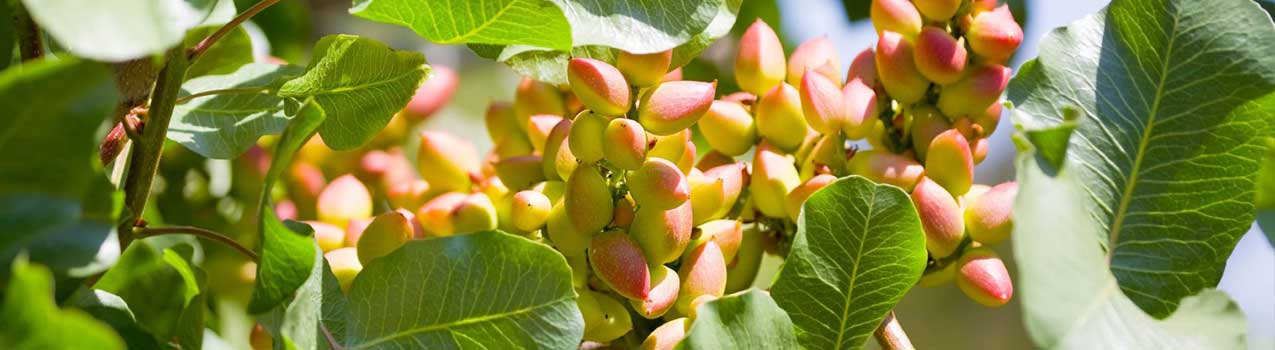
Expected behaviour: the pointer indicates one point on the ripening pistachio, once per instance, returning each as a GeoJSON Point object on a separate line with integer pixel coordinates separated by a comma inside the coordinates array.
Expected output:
{"type": "Point", "coordinates": [994, 34]}
{"type": "Point", "coordinates": [980, 87]}
{"type": "Point", "coordinates": [599, 85]}
{"type": "Point", "coordinates": [436, 215]}
{"type": "Point", "coordinates": [658, 184]}
{"type": "Point", "coordinates": [938, 10]}
{"type": "Point", "coordinates": [712, 159]}
{"type": "Point", "coordinates": [941, 218]}
{"type": "Point", "coordinates": [989, 216]}
{"type": "Point", "coordinates": [624, 143]}
{"type": "Point", "coordinates": [285, 210]}
{"type": "Point", "coordinates": [512, 146]}
{"type": "Point", "coordinates": [520, 172]}
{"type": "Point", "coordinates": [687, 161]}
{"type": "Point", "coordinates": [707, 196]}
{"type": "Point", "coordinates": [644, 69]}
{"type": "Point", "coordinates": [446, 161]}
{"type": "Point", "coordinates": [864, 68]}
{"type": "Point", "coordinates": [529, 210]}
{"type": "Point", "coordinates": [625, 210]}
{"type": "Point", "coordinates": [773, 177]}
{"type": "Point", "coordinates": [780, 119]}
{"type": "Point", "coordinates": [345, 266]}
{"type": "Point", "coordinates": [664, 289]}
{"type": "Point", "coordinates": [611, 319]}
{"type": "Point", "coordinates": [799, 195]}
{"type": "Point", "coordinates": [674, 106]}
{"type": "Point", "coordinates": [927, 123]}
{"type": "Point", "coordinates": [743, 269]}
{"type": "Point", "coordinates": [885, 167]}
{"type": "Point", "coordinates": [979, 148]}
{"type": "Point", "coordinates": [670, 147]}
{"type": "Point", "coordinates": [728, 234]}
{"type": "Point", "coordinates": [386, 233]}
{"type": "Point", "coordinates": [345, 198]}
{"type": "Point", "coordinates": [662, 234]}
{"type": "Point", "coordinates": [734, 176]}
{"type": "Point", "coordinates": [534, 97]}
{"type": "Point", "coordinates": [861, 108]}
{"type": "Point", "coordinates": [898, 16]}
{"type": "Point", "coordinates": [474, 214]}
{"type": "Point", "coordinates": [818, 55]}
{"type": "Point", "coordinates": [565, 237]}
{"type": "Point", "coordinates": [330, 237]}
{"type": "Point", "coordinates": [937, 278]}
{"type": "Point", "coordinates": [586, 140]}
{"type": "Point", "coordinates": [432, 94]}
{"type": "Point", "coordinates": [588, 200]}
{"type": "Point", "coordinates": [897, 70]}
{"type": "Point", "coordinates": [501, 121]}
{"type": "Point", "coordinates": [988, 119]}
{"type": "Point", "coordinates": [618, 261]}
{"type": "Point", "coordinates": [950, 162]}
{"type": "Point", "coordinates": [982, 276]}
{"type": "Point", "coordinates": [729, 128]}
{"type": "Point", "coordinates": [938, 56]}
{"type": "Point", "coordinates": [304, 182]}
{"type": "Point", "coordinates": [558, 162]}
{"type": "Point", "coordinates": [978, 6]}
{"type": "Point", "coordinates": [538, 128]}
{"type": "Point", "coordinates": [703, 272]}
{"type": "Point", "coordinates": [822, 104]}
{"type": "Point", "coordinates": [666, 336]}
{"type": "Point", "coordinates": [759, 64]}
{"type": "Point", "coordinates": [354, 231]}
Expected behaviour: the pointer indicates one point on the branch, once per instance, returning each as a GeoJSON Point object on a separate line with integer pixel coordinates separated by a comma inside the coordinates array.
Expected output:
{"type": "Point", "coordinates": [891, 335]}
{"type": "Point", "coordinates": [30, 44]}
{"type": "Point", "coordinates": [225, 29]}
{"type": "Point", "coordinates": [144, 159]}
{"type": "Point", "coordinates": [199, 232]}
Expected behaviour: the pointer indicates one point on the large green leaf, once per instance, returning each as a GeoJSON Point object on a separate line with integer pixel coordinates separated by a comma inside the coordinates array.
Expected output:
{"type": "Point", "coordinates": [486, 290]}
{"type": "Point", "coordinates": [859, 249]}
{"type": "Point", "coordinates": [743, 321]}
{"type": "Point", "coordinates": [498, 22]}
{"type": "Point", "coordinates": [118, 30]}
{"type": "Point", "coordinates": [114, 311]}
{"type": "Point", "coordinates": [162, 288]}
{"type": "Point", "coordinates": [225, 125]}
{"type": "Point", "coordinates": [287, 248]}
{"type": "Point", "coordinates": [1174, 98]}
{"type": "Point", "coordinates": [30, 320]}
{"type": "Point", "coordinates": [637, 26]}
{"type": "Point", "coordinates": [359, 83]}
{"type": "Point", "coordinates": [318, 311]}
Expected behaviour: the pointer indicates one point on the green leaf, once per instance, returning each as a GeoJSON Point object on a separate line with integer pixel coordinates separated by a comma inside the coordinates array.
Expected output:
{"type": "Point", "coordinates": [287, 248]}
{"type": "Point", "coordinates": [723, 20]}
{"type": "Point", "coordinates": [162, 290]}
{"type": "Point", "coordinates": [112, 310]}
{"type": "Point", "coordinates": [225, 56]}
{"type": "Point", "coordinates": [745, 320]}
{"type": "Point", "coordinates": [487, 290]}
{"type": "Point", "coordinates": [360, 83]}
{"type": "Point", "coordinates": [637, 26]}
{"type": "Point", "coordinates": [52, 231]}
{"type": "Point", "coordinates": [223, 126]}
{"type": "Point", "coordinates": [859, 249]}
{"type": "Point", "coordinates": [499, 22]}
{"type": "Point", "coordinates": [1069, 296]}
{"type": "Point", "coordinates": [8, 36]}
{"type": "Point", "coordinates": [319, 309]}
{"type": "Point", "coordinates": [118, 30]}
{"type": "Point", "coordinates": [29, 319]}
{"type": "Point", "coordinates": [1174, 99]}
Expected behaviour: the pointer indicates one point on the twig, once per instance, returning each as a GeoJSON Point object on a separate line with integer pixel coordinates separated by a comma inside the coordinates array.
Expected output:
{"type": "Point", "coordinates": [891, 335]}
{"type": "Point", "coordinates": [30, 44]}
{"type": "Point", "coordinates": [327, 335]}
{"type": "Point", "coordinates": [225, 29]}
{"type": "Point", "coordinates": [144, 160]}
{"type": "Point", "coordinates": [199, 232]}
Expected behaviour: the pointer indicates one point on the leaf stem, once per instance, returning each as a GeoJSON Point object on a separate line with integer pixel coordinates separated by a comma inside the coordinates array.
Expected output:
{"type": "Point", "coordinates": [230, 91]}
{"type": "Point", "coordinates": [225, 29]}
{"type": "Point", "coordinates": [144, 159]}
{"type": "Point", "coordinates": [30, 44]}
{"type": "Point", "coordinates": [891, 335]}
{"type": "Point", "coordinates": [199, 232]}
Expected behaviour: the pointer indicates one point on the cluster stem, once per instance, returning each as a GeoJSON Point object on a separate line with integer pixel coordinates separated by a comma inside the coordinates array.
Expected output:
{"type": "Point", "coordinates": [890, 334]}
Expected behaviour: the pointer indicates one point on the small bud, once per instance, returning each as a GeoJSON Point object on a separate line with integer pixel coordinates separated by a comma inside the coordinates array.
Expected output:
{"type": "Point", "coordinates": [345, 266]}
{"type": "Point", "coordinates": [897, 70]}
{"type": "Point", "coordinates": [979, 148]}
{"type": "Point", "coordinates": [446, 161]}
{"type": "Point", "coordinates": [112, 144]}
{"type": "Point", "coordinates": [818, 55]}
{"type": "Point", "coordinates": [521, 172]}
{"type": "Point", "coordinates": [822, 104]}
{"type": "Point", "coordinates": [625, 145]}
{"type": "Point", "coordinates": [780, 119]}
{"type": "Point", "coordinates": [433, 93]}
{"type": "Point", "coordinates": [702, 273]}
{"type": "Point", "coordinates": [588, 200]}
{"type": "Point", "coordinates": [707, 196]}
{"type": "Point", "coordinates": [586, 136]}
{"type": "Point", "coordinates": [864, 68]}
{"type": "Point", "coordinates": [383, 235]}
{"type": "Point", "coordinates": [938, 10]}
{"type": "Point", "coordinates": [988, 119]}
{"type": "Point", "coordinates": [773, 177]}
{"type": "Point", "coordinates": [759, 65]}
{"type": "Point", "coordinates": [664, 290]}
{"type": "Point", "coordinates": [666, 336]}
{"type": "Point", "coordinates": [728, 128]}
{"type": "Point", "coordinates": [861, 108]}
{"type": "Point", "coordinates": [994, 34]}
{"type": "Point", "coordinates": [436, 215]}
{"type": "Point", "coordinates": [344, 199]}
{"type": "Point", "coordinates": [662, 234]}
{"type": "Point", "coordinates": [982, 276]}
{"type": "Point", "coordinates": [799, 195]}
{"type": "Point", "coordinates": [950, 163]}
{"type": "Point", "coordinates": [927, 123]}
{"type": "Point", "coordinates": [938, 56]}
{"type": "Point", "coordinates": [981, 87]}
{"type": "Point", "coordinates": [538, 128]}
{"type": "Point", "coordinates": [599, 85]}
{"type": "Point", "coordinates": [898, 16]}
{"type": "Point", "coordinates": [644, 69]}
{"type": "Point", "coordinates": [529, 210]}
{"type": "Point", "coordinates": [674, 106]}
{"type": "Point", "coordinates": [658, 184]}
{"type": "Point", "coordinates": [606, 319]}
{"type": "Point", "coordinates": [534, 97]}
{"type": "Point", "coordinates": [941, 218]}
{"type": "Point", "coordinates": [888, 168]}
{"type": "Point", "coordinates": [330, 237]}
{"type": "Point", "coordinates": [564, 236]}
{"type": "Point", "coordinates": [989, 217]}
{"type": "Point", "coordinates": [618, 261]}
{"type": "Point", "coordinates": [558, 162]}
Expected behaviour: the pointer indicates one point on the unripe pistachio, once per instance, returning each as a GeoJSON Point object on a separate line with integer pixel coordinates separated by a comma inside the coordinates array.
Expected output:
{"type": "Point", "coordinates": [552, 189]}
{"type": "Point", "coordinates": [938, 10]}
{"type": "Point", "coordinates": [330, 237]}
{"type": "Point", "coordinates": [644, 69]}
{"type": "Point", "coordinates": [383, 235]}
{"type": "Point", "coordinates": [938, 56]}
{"type": "Point", "coordinates": [734, 176]}
{"type": "Point", "coordinates": [896, 69]}
{"type": "Point", "coordinates": [773, 177]}
{"type": "Point", "coordinates": [671, 147]}
{"type": "Point", "coordinates": [743, 269]}
{"type": "Point", "coordinates": [979, 149]}
{"type": "Point", "coordinates": [520, 172]}
{"type": "Point", "coordinates": [816, 54]}
{"type": "Point", "coordinates": [612, 319]}
{"type": "Point", "coordinates": [558, 162]}
{"type": "Point", "coordinates": [345, 266]}
{"type": "Point", "coordinates": [599, 85]}
{"type": "Point", "coordinates": [799, 195]}
{"type": "Point", "coordinates": [666, 336]}
{"type": "Point", "coordinates": [625, 210]}
{"type": "Point", "coordinates": [980, 87]}
{"type": "Point", "coordinates": [885, 167]}
{"type": "Point", "coordinates": [662, 234]}
{"type": "Point", "coordinates": [534, 97]}
{"type": "Point", "coordinates": [937, 278]}
{"type": "Point", "coordinates": [994, 34]}
{"type": "Point", "coordinates": [511, 146]}
{"type": "Point", "coordinates": [658, 184]}
{"type": "Point", "coordinates": [927, 123]}
{"type": "Point", "coordinates": [579, 270]}
{"type": "Point", "coordinates": [625, 143]}
{"type": "Point", "coordinates": [864, 68]}
{"type": "Point", "coordinates": [564, 236]}
{"type": "Point", "coordinates": [822, 104]}
{"type": "Point", "coordinates": [673, 106]}
{"type": "Point", "coordinates": [982, 276]}
{"type": "Point", "coordinates": [432, 94]}
{"type": "Point", "coordinates": [446, 161]}
{"type": "Point", "coordinates": [436, 215]}
{"type": "Point", "coordinates": [728, 234]}
{"type": "Point", "coordinates": [343, 199]}
{"type": "Point", "coordinates": [664, 290]}
{"type": "Point", "coordinates": [759, 65]}
{"type": "Point", "coordinates": [529, 210]}
{"type": "Point", "coordinates": [586, 136]}
{"type": "Point", "coordinates": [950, 162]}
{"type": "Point", "coordinates": [941, 218]}
{"type": "Point", "coordinates": [898, 16]}
{"type": "Point", "coordinates": [501, 198]}
{"type": "Point", "coordinates": [861, 108]}
{"type": "Point", "coordinates": [588, 200]}
{"type": "Point", "coordinates": [989, 216]}
{"type": "Point", "coordinates": [538, 128]}
{"type": "Point", "coordinates": [978, 6]}
{"type": "Point", "coordinates": [702, 273]}
{"type": "Point", "coordinates": [501, 121]}
{"type": "Point", "coordinates": [474, 214]}
{"type": "Point", "coordinates": [729, 128]}
{"type": "Point", "coordinates": [617, 260]}
{"type": "Point", "coordinates": [707, 196]}
{"type": "Point", "coordinates": [780, 119]}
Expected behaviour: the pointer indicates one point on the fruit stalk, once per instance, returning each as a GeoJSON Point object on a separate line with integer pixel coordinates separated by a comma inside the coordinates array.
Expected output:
{"type": "Point", "coordinates": [198, 232]}
{"type": "Point", "coordinates": [891, 335]}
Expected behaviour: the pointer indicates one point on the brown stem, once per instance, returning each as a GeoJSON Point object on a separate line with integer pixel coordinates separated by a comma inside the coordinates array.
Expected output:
{"type": "Point", "coordinates": [30, 44]}
{"type": "Point", "coordinates": [144, 160]}
{"type": "Point", "coordinates": [891, 335]}
{"type": "Point", "coordinates": [199, 232]}
{"type": "Point", "coordinates": [225, 29]}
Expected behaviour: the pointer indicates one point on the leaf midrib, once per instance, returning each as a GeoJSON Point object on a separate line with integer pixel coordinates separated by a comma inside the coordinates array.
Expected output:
{"type": "Point", "coordinates": [343, 89]}
{"type": "Point", "coordinates": [494, 18]}
{"type": "Point", "coordinates": [854, 274]}
{"type": "Point", "coordinates": [463, 322]}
